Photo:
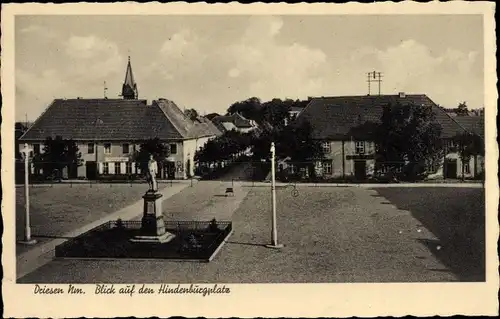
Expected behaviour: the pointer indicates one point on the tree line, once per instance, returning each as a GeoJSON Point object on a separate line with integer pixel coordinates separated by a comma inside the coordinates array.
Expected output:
{"type": "Point", "coordinates": [405, 134]}
{"type": "Point", "coordinates": [406, 137]}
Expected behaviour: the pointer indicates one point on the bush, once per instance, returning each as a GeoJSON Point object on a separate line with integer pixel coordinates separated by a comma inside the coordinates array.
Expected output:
{"type": "Point", "coordinates": [213, 227]}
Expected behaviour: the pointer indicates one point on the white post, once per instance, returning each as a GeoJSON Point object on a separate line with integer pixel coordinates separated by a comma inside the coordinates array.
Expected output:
{"type": "Point", "coordinates": [27, 232]}
{"type": "Point", "coordinates": [274, 242]}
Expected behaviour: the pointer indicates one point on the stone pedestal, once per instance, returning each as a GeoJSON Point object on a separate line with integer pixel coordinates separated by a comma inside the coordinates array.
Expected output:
{"type": "Point", "coordinates": [153, 226]}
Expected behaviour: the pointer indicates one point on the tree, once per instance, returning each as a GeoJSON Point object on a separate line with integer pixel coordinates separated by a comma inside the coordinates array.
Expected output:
{"type": "Point", "coordinates": [250, 109]}
{"type": "Point", "coordinates": [58, 153]}
{"type": "Point", "coordinates": [468, 145]}
{"type": "Point", "coordinates": [277, 112]}
{"type": "Point", "coordinates": [154, 147]}
{"type": "Point", "coordinates": [462, 110]}
{"type": "Point", "coordinates": [408, 134]}
{"type": "Point", "coordinates": [294, 141]}
{"type": "Point", "coordinates": [191, 113]}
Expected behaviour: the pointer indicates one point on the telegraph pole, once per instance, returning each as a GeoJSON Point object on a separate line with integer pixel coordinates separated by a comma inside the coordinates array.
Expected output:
{"type": "Point", "coordinates": [105, 90]}
{"type": "Point", "coordinates": [374, 76]}
{"type": "Point", "coordinates": [27, 228]}
{"type": "Point", "coordinates": [274, 240]}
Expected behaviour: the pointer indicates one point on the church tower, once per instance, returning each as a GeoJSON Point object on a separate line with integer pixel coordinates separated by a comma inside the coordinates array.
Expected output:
{"type": "Point", "coordinates": [129, 88]}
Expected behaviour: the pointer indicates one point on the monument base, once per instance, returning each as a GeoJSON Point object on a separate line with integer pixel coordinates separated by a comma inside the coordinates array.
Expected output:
{"type": "Point", "coordinates": [28, 242]}
{"type": "Point", "coordinates": [152, 224]}
{"type": "Point", "coordinates": [277, 246]}
{"type": "Point", "coordinates": [161, 239]}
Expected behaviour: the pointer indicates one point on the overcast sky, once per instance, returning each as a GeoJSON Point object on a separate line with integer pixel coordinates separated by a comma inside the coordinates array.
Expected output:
{"type": "Point", "coordinates": [209, 62]}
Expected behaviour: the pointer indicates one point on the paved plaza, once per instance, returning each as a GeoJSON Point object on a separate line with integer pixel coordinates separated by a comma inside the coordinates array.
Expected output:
{"type": "Point", "coordinates": [331, 234]}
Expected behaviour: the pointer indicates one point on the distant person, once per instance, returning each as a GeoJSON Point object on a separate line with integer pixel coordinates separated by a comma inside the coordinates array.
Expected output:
{"type": "Point", "coordinates": [151, 174]}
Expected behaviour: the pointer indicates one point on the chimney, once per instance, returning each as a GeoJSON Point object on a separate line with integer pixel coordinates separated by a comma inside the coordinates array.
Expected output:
{"type": "Point", "coordinates": [402, 95]}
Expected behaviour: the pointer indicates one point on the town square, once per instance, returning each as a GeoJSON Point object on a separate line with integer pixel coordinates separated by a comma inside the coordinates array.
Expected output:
{"type": "Point", "coordinates": [188, 154]}
{"type": "Point", "coordinates": [262, 174]}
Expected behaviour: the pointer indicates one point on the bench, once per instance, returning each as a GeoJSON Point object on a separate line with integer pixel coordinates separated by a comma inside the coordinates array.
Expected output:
{"type": "Point", "coordinates": [229, 190]}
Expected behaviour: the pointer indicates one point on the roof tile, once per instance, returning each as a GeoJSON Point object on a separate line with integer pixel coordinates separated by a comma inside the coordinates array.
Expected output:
{"type": "Point", "coordinates": [111, 119]}
{"type": "Point", "coordinates": [335, 117]}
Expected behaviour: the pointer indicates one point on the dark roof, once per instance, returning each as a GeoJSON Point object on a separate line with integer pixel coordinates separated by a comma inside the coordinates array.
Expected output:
{"type": "Point", "coordinates": [211, 116]}
{"type": "Point", "coordinates": [212, 127]}
{"type": "Point", "coordinates": [336, 117]}
{"type": "Point", "coordinates": [473, 124]}
{"type": "Point", "coordinates": [238, 120]}
{"type": "Point", "coordinates": [206, 124]}
{"type": "Point", "coordinates": [113, 119]}
{"type": "Point", "coordinates": [296, 108]}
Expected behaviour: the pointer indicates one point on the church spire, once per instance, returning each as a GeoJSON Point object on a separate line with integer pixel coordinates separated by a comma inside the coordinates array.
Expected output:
{"type": "Point", "coordinates": [129, 89]}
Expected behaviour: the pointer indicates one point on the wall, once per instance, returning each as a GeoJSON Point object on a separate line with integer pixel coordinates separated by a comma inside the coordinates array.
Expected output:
{"type": "Point", "coordinates": [228, 126]}
{"type": "Point", "coordinates": [189, 149]}
{"type": "Point", "coordinates": [335, 155]}
{"type": "Point", "coordinates": [473, 167]}
{"type": "Point", "coordinates": [115, 155]}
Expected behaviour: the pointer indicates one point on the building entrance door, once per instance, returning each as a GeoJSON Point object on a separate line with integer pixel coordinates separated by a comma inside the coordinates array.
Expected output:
{"type": "Point", "coordinates": [170, 170]}
{"type": "Point", "coordinates": [91, 170]}
{"type": "Point", "coordinates": [360, 170]}
{"type": "Point", "coordinates": [451, 168]}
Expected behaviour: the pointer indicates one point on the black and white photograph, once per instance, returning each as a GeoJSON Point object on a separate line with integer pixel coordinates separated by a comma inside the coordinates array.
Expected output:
{"type": "Point", "coordinates": [184, 153]}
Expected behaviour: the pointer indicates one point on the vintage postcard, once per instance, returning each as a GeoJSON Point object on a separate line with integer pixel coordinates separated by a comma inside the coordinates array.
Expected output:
{"type": "Point", "coordinates": [230, 160]}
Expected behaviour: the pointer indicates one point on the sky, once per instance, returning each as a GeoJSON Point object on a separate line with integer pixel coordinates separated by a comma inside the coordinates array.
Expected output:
{"type": "Point", "coordinates": [209, 62]}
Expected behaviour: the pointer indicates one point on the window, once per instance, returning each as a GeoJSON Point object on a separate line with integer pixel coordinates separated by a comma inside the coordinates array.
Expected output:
{"type": "Point", "coordinates": [327, 168]}
{"type": "Point", "coordinates": [173, 148]}
{"type": "Point", "coordinates": [291, 168]}
{"type": "Point", "coordinates": [105, 168]}
{"type": "Point", "coordinates": [126, 148]}
{"type": "Point", "coordinates": [360, 147]}
{"type": "Point", "coordinates": [382, 169]}
{"type": "Point", "coordinates": [107, 148]}
{"type": "Point", "coordinates": [128, 168]}
{"type": "Point", "coordinates": [452, 145]}
{"type": "Point", "coordinates": [90, 148]}
{"type": "Point", "coordinates": [36, 148]}
{"type": "Point", "coordinates": [326, 147]}
{"type": "Point", "coordinates": [466, 168]}
{"type": "Point", "coordinates": [433, 167]}
{"type": "Point", "coordinates": [118, 167]}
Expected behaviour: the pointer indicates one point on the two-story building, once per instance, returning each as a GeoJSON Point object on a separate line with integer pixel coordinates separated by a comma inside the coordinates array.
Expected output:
{"type": "Point", "coordinates": [338, 122]}
{"type": "Point", "coordinates": [109, 131]}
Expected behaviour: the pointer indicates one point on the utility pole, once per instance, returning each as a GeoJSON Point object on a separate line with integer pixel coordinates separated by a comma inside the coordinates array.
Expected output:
{"type": "Point", "coordinates": [105, 90]}
{"type": "Point", "coordinates": [274, 240]}
{"type": "Point", "coordinates": [374, 76]}
{"type": "Point", "coordinates": [27, 229]}
{"type": "Point", "coordinates": [369, 82]}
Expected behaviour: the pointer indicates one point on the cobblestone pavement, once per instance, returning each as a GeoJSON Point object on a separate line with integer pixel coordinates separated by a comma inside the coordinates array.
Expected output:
{"type": "Point", "coordinates": [330, 235]}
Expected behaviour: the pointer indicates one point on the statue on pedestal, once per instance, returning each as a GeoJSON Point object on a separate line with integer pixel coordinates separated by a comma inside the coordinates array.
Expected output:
{"type": "Point", "coordinates": [152, 223]}
{"type": "Point", "coordinates": [151, 174]}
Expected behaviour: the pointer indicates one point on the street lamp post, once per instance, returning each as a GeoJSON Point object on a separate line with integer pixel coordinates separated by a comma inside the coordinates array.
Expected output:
{"type": "Point", "coordinates": [274, 240]}
{"type": "Point", "coordinates": [27, 231]}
